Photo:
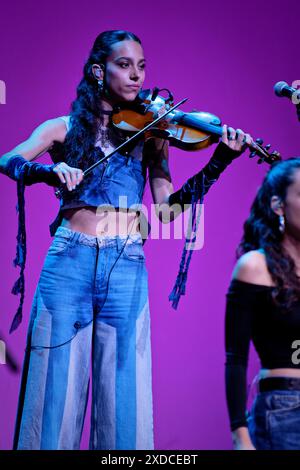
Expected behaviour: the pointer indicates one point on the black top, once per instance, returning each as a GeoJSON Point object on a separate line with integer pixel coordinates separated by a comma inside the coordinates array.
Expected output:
{"type": "Point", "coordinates": [251, 314]}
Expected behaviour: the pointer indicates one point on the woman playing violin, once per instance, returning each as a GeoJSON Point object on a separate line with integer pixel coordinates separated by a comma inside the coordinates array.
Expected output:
{"type": "Point", "coordinates": [92, 294]}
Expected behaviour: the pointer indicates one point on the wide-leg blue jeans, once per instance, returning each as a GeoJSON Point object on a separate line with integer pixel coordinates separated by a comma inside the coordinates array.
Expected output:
{"type": "Point", "coordinates": [81, 310]}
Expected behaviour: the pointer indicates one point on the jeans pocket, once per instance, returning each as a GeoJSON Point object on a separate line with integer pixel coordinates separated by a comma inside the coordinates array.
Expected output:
{"type": "Point", "coordinates": [134, 252]}
{"type": "Point", "coordinates": [284, 401]}
{"type": "Point", "coordinates": [284, 422]}
{"type": "Point", "coordinates": [59, 245]}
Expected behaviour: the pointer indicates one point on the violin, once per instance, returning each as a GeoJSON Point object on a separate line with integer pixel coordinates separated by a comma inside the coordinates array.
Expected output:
{"type": "Point", "coordinates": [188, 131]}
{"type": "Point", "coordinates": [151, 115]}
{"type": "Point", "coordinates": [60, 191]}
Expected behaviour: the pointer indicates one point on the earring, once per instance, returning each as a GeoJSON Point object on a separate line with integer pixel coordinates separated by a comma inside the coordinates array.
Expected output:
{"type": "Point", "coordinates": [100, 83]}
{"type": "Point", "coordinates": [281, 224]}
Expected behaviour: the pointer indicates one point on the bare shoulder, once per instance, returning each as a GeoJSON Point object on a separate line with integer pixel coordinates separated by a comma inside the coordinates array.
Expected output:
{"type": "Point", "coordinates": [252, 267]}
{"type": "Point", "coordinates": [56, 128]}
{"type": "Point", "coordinates": [51, 130]}
{"type": "Point", "coordinates": [41, 139]}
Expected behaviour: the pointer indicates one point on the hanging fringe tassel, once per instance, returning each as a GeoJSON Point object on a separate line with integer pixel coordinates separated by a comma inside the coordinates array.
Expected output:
{"type": "Point", "coordinates": [180, 283]}
{"type": "Point", "coordinates": [20, 260]}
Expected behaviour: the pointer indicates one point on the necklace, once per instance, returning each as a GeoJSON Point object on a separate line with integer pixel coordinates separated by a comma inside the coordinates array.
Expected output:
{"type": "Point", "coordinates": [105, 136]}
{"type": "Point", "coordinates": [104, 132]}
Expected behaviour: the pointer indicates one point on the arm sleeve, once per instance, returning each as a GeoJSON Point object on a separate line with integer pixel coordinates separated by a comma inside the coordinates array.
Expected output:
{"type": "Point", "coordinates": [156, 154]}
{"type": "Point", "coordinates": [240, 307]}
{"type": "Point", "coordinates": [200, 183]}
{"type": "Point", "coordinates": [24, 173]}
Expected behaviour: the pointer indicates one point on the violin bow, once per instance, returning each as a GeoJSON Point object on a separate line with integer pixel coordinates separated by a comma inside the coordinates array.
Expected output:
{"type": "Point", "coordinates": [58, 192]}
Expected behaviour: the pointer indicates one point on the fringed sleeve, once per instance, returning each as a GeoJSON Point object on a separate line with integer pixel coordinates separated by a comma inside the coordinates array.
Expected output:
{"type": "Point", "coordinates": [20, 260]}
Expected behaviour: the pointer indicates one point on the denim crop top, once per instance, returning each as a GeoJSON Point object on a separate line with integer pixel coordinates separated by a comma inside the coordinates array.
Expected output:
{"type": "Point", "coordinates": [117, 182]}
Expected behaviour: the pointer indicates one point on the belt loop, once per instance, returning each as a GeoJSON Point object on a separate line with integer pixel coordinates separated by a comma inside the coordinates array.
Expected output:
{"type": "Point", "coordinates": [74, 238]}
{"type": "Point", "coordinates": [119, 243]}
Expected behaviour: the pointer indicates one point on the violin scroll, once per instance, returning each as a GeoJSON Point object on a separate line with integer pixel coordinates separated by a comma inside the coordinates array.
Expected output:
{"type": "Point", "coordinates": [263, 152]}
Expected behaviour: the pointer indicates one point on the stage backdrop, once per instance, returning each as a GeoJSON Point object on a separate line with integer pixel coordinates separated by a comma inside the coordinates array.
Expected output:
{"type": "Point", "coordinates": [225, 57]}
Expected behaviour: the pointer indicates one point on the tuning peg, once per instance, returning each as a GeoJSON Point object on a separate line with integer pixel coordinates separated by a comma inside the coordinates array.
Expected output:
{"type": "Point", "coordinates": [267, 147]}
{"type": "Point", "coordinates": [260, 161]}
{"type": "Point", "coordinates": [259, 141]}
{"type": "Point", "coordinates": [276, 156]}
{"type": "Point", "coordinates": [252, 154]}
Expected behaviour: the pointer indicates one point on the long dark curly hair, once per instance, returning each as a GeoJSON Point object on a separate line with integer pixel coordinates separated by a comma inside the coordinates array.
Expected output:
{"type": "Point", "coordinates": [78, 148]}
{"type": "Point", "coordinates": [261, 231]}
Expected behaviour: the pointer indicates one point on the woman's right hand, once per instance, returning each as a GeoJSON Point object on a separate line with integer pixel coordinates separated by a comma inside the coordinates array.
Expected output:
{"type": "Point", "coordinates": [68, 175]}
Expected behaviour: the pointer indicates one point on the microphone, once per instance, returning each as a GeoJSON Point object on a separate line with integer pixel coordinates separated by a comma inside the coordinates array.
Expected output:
{"type": "Point", "coordinates": [282, 89]}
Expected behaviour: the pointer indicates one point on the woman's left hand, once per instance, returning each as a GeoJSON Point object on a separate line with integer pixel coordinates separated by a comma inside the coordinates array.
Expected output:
{"type": "Point", "coordinates": [236, 139]}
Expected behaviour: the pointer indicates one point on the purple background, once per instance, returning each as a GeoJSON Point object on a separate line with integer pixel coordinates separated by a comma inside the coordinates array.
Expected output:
{"type": "Point", "coordinates": [225, 57]}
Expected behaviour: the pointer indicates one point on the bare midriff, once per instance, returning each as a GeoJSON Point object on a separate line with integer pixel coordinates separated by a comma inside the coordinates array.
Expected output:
{"type": "Point", "coordinates": [101, 222]}
{"type": "Point", "coordinates": [284, 372]}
